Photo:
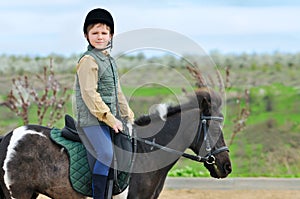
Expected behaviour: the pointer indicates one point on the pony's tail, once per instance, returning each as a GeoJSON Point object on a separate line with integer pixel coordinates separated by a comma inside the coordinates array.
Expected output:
{"type": "Point", "coordinates": [2, 196]}
{"type": "Point", "coordinates": [1, 191]}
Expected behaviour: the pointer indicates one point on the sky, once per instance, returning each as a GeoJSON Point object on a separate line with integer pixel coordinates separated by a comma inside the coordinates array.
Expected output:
{"type": "Point", "coordinates": [40, 28]}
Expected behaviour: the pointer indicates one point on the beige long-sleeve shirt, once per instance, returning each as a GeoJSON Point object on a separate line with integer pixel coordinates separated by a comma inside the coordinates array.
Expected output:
{"type": "Point", "coordinates": [87, 71]}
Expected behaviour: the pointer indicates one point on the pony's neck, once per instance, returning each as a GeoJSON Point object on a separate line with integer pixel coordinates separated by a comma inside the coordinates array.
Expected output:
{"type": "Point", "coordinates": [177, 132]}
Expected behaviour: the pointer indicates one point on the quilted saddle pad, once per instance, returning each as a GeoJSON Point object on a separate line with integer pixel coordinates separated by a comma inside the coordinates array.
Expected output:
{"type": "Point", "coordinates": [80, 174]}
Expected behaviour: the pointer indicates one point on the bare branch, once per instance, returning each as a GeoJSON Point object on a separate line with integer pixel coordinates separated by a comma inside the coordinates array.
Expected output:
{"type": "Point", "coordinates": [196, 73]}
{"type": "Point", "coordinates": [242, 116]}
{"type": "Point", "coordinates": [49, 101]}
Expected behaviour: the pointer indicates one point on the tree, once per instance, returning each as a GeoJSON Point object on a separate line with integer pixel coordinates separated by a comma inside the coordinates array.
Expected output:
{"type": "Point", "coordinates": [243, 113]}
{"type": "Point", "coordinates": [49, 99]}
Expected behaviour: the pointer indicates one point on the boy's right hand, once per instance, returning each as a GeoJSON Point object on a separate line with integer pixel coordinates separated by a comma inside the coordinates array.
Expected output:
{"type": "Point", "coordinates": [118, 126]}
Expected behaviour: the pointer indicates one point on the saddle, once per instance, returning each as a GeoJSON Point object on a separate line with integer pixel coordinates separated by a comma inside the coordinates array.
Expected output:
{"type": "Point", "coordinates": [69, 131]}
{"type": "Point", "coordinates": [80, 176]}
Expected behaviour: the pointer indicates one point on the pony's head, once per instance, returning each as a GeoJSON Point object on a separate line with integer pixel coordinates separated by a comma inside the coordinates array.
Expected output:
{"type": "Point", "coordinates": [209, 141]}
{"type": "Point", "coordinates": [196, 124]}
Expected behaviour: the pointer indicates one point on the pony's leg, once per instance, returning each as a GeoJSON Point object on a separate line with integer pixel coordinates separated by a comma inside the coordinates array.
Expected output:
{"type": "Point", "coordinates": [122, 195]}
{"type": "Point", "coordinates": [159, 187]}
{"type": "Point", "coordinates": [2, 196]}
{"type": "Point", "coordinates": [24, 195]}
{"type": "Point", "coordinates": [4, 192]}
{"type": "Point", "coordinates": [34, 196]}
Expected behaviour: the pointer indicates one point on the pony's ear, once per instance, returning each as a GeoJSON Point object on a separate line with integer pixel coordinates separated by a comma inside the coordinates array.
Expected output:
{"type": "Point", "coordinates": [205, 103]}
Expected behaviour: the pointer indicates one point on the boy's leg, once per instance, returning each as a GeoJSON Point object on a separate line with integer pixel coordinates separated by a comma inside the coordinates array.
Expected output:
{"type": "Point", "coordinates": [99, 138]}
{"type": "Point", "coordinates": [99, 186]}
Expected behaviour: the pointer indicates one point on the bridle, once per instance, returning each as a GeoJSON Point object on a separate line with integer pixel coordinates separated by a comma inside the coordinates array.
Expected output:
{"type": "Point", "coordinates": [209, 158]}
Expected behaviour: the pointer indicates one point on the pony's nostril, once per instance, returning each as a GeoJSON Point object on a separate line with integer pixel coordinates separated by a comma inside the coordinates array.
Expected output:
{"type": "Point", "coordinates": [227, 168]}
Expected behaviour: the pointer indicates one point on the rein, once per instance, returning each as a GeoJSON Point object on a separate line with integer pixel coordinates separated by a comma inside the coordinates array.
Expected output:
{"type": "Point", "coordinates": [209, 158]}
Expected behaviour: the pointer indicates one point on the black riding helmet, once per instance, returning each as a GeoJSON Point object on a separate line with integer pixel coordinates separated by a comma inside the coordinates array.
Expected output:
{"type": "Point", "coordinates": [99, 15]}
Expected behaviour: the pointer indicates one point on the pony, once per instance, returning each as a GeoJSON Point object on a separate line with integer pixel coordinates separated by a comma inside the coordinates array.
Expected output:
{"type": "Point", "coordinates": [32, 164]}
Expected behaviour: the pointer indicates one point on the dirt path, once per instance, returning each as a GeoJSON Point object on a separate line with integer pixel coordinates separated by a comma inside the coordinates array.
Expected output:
{"type": "Point", "coordinates": [258, 183]}
{"type": "Point", "coordinates": [230, 194]}
{"type": "Point", "coordinates": [231, 188]}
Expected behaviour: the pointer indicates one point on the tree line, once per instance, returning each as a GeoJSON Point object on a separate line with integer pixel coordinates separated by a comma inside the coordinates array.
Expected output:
{"type": "Point", "coordinates": [19, 64]}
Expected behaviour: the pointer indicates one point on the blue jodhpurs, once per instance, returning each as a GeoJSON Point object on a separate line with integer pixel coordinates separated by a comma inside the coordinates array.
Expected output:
{"type": "Point", "coordinates": [100, 149]}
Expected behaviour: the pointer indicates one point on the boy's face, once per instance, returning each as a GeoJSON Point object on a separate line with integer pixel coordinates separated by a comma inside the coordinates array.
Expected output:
{"type": "Point", "coordinates": [99, 36]}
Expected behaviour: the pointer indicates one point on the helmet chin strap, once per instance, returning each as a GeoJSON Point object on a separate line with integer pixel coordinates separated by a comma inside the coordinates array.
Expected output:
{"type": "Point", "coordinates": [109, 45]}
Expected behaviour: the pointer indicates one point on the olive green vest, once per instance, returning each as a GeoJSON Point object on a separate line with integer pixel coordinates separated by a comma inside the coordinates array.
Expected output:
{"type": "Point", "coordinates": [107, 88]}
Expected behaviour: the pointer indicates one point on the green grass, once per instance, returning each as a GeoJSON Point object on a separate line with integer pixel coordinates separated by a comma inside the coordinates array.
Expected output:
{"type": "Point", "coordinates": [149, 91]}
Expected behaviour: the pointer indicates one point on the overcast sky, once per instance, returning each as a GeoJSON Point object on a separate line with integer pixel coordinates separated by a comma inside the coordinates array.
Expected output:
{"type": "Point", "coordinates": [35, 27]}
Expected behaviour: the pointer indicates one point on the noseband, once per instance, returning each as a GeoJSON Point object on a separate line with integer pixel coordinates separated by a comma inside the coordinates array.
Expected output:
{"type": "Point", "coordinates": [210, 156]}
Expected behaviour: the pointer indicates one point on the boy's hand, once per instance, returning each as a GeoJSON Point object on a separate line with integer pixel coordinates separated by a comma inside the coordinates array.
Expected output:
{"type": "Point", "coordinates": [118, 126]}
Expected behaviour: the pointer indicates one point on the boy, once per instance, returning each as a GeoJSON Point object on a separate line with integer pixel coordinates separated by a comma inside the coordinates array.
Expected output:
{"type": "Point", "coordinates": [99, 99]}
